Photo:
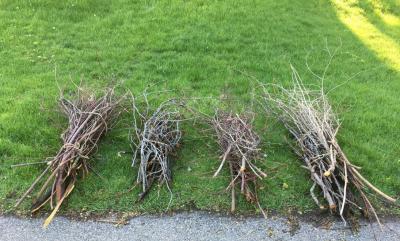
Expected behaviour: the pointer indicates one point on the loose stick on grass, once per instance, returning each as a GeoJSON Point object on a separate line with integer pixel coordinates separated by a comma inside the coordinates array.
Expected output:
{"type": "Point", "coordinates": [310, 119]}
{"type": "Point", "coordinates": [89, 118]}
{"type": "Point", "coordinates": [239, 146]}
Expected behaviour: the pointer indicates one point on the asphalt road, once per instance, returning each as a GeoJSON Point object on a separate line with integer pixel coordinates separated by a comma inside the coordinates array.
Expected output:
{"type": "Point", "coordinates": [193, 226]}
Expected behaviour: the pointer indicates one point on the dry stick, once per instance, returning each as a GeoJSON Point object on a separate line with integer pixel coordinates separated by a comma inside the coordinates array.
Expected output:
{"type": "Point", "coordinates": [375, 189]}
{"type": "Point", "coordinates": [157, 137]}
{"type": "Point", "coordinates": [89, 118]}
{"type": "Point", "coordinates": [46, 183]}
{"type": "Point", "coordinates": [28, 164]}
{"type": "Point", "coordinates": [310, 119]}
{"type": "Point", "coordinates": [259, 205]}
{"type": "Point", "coordinates": [31, 187]}
{"type": "Point", "coordinates": [223, 160]}
{"type": "Point", "coordinates": [345, 187]}
{"type": "Point", "coordinates": [233, 203]}
{"type": "Point", "coordinates": [238, 143]}
{"type": "Point", "coordinates": [387, 197]}
{"type": "Point", "coordinates": [53, 213]}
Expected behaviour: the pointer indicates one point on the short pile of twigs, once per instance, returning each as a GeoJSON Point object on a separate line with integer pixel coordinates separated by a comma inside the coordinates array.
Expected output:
{"type": "Point", "coordinates": [89, 118]}
{"type": "Point", "coordinates": [156, 137]}
{"type": "Point", "coordinates": [309, 118]}
{"type": "Point", "coordinates": [239, 145]}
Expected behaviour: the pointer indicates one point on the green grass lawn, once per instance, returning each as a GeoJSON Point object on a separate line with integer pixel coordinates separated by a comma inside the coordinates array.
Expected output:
{"type": "Point", "coordinates": [202, 49]}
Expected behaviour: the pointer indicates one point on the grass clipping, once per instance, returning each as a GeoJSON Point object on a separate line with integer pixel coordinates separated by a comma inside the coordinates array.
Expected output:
{"type": "Point", "coordinates": [239, 146]}
{"type": "Point", "coordinates": [309, 118]}
{"type": "Point", "coordinates": [89, 118]}
{"type": "Point", "coordinates": [156, 137]}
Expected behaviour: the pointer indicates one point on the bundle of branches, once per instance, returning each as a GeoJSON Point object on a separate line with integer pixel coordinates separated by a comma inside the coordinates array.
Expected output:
{"type": "Point", "coordinates": [157, 137]}
{"type": "Point", "coordinates": [309, 118]}
{"type": "Point", "coordinates": [89, 118]}
{"type": "Point", "coordinates": [239, 145]}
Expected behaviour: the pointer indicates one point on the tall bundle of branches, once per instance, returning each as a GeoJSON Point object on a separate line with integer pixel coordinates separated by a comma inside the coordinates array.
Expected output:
{"type": "Point", "coordinates": [156, 137]}
{"type": "Point", "coordinates": [239, 145]}
{"type": "Point", "coordinates": [310, 119]}
{"type": "Point", "coordinates": [89, 118]}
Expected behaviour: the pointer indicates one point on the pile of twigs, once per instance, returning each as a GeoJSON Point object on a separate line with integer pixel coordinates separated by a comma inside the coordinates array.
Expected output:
{"type": "Point", "coordinates": [309, 118]}
{"type": "Point", "coordinates": [239, 145]}
{"type": "Point", "coordinates": [89, 118]}
{"type": "Point", "coordinates": [156, 137]}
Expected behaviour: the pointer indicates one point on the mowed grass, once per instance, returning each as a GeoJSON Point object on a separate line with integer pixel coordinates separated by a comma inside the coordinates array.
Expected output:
{"type": "Point", "coordinates": [200, 49]}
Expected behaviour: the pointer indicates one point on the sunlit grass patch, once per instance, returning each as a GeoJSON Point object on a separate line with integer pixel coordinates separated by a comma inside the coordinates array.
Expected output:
{"type": "Point", "coordinates": [354, 18]}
